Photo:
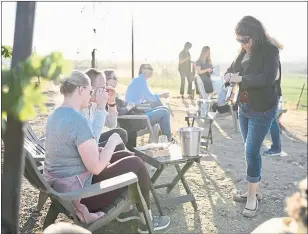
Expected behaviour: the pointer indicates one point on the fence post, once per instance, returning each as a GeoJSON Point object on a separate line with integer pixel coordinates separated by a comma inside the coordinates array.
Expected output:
{"type": "Point", "coordinates": [300, 96]}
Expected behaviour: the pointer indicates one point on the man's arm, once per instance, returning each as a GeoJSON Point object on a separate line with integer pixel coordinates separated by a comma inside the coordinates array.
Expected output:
{"type": "Point", "coordinates": [112, 118]}
{"type": "Point", "coordinates": [98, 122]}
{"type": "Point", "coordinates": [146, 94]}
{"type": "Point", "coordinates": [97, 118]}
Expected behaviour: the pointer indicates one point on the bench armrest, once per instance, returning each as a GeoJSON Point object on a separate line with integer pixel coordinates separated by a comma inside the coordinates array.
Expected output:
{"type": "Point", "coordinates": [100, 188]}
{"type": "Point", "coordinates": [133, 117]}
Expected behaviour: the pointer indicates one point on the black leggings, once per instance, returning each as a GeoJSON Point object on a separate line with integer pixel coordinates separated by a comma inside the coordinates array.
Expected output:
{"type": "Point", "coordinates": [105, 136]}
{"type": "Point", "coordinates": [120, 163]}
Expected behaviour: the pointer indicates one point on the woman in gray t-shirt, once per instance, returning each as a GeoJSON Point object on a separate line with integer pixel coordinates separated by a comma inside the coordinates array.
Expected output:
{"type": "Point", "coordinates": [204, 68]}
{"type": "Point", "coordinates": [72, 151]}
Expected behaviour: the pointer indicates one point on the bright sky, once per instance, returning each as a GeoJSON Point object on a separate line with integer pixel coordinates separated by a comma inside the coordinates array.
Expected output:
{"type": "Point", "coordinates": [161, 29]}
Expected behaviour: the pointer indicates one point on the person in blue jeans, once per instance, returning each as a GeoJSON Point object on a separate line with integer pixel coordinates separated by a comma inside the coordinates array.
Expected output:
{"type": "Point", "coordinates": [255, 70]}
{"type": "Point", "coordinates": [138, 92]}
{"type": "Point", "coordinates": [275, 149]}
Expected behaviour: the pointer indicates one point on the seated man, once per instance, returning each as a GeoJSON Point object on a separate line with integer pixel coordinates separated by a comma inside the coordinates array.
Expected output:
{"type": "Point", "coordinates": [96, 112]}
{"type": "Point", "coordinates": [138, 92]}
{"type": "Point", "coordinates": [132, 126]}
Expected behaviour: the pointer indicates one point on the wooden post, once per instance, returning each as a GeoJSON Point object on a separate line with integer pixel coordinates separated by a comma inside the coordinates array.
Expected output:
{"type": "Point", "coordinates": [13, 160]}
{"type": "Point", "coordinates": [133, 59]}
{"type": "Point", "coordinates": [93, 59]}
{"type": "Point", "coordinates": [300, 96]}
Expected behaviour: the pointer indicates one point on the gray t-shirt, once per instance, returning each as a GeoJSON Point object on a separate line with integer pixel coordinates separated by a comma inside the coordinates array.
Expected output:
{"type": "Point", "coordinates": [65, 130]}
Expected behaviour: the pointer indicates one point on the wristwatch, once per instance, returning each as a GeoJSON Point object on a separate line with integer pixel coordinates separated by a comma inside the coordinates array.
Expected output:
{"type": "Point", "coordinates": [112, 105]}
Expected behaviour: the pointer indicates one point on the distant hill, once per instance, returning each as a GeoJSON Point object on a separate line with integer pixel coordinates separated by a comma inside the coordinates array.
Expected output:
{"type": "Point", "coordinates": [167, 67]}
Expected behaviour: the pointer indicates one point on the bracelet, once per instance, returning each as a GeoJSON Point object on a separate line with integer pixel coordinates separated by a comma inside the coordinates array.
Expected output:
{"type": "Point", "coordinates": [112, 105]}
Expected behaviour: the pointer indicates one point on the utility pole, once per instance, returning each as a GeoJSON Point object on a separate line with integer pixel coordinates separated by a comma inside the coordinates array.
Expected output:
{"type": "Point", "coordinates": [93, 60]}
{"type": "Point", "coordinates": [133, 59]}
{"type": "Point", "coordinates": [13, 138]}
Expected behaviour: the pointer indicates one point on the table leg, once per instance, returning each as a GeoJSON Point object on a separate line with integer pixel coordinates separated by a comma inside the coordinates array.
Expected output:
{"type": "Point", "coordinates": [187, 120]}
{"type": "Point", "coordinates": [156, 199]}
{"type": "Point", "coordinates": [157, 173]}
{"type": "Point", "coordinates": [193, 122]}
{"type": "Point", "coordinates": [186, 187]}
{"type": "Point", "coordinates": [210, 135]}
{"type": "Point", "coordinates": [179, 175]}
{"type": "Point", "coordinates": [155, 176]}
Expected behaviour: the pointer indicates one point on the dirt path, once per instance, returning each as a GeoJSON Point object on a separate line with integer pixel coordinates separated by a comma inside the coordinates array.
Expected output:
{"type": "Point", "coordinates": [213, 181]}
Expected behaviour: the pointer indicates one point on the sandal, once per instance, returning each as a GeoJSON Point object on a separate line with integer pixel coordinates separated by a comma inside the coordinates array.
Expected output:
{"type": "Point", "coordinates": [251, 213]}
{"type": "Point", "coordinates": [241, 198]}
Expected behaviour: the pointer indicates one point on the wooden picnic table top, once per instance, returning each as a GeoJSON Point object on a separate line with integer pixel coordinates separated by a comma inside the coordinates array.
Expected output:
{"type": "Point", "coordinates": [175, 156]}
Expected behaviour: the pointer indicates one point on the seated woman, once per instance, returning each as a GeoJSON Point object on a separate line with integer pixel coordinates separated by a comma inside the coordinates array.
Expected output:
{"type": "Point", "coordinates": [132, 126]}
{"type": "Point", "coordinates": [72, 154]}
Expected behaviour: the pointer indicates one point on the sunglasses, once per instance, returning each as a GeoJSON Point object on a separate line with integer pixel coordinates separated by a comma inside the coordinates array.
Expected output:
{"type": "Point", "coordinates": [244, 40]}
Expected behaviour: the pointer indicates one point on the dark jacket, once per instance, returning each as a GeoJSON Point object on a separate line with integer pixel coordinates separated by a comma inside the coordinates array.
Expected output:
{"type": "Point", "coordinates": [129, 124]}
{"type": "Point", "coordinates": [278, 82]}
{"type": "Point", "coordinates": [258, 79]}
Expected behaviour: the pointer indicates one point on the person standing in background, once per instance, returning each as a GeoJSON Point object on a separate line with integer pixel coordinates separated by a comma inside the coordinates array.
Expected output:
{"type": "Point", "coordinates": [275, 149]}
{"type": "Point", "coordinates": [204, 69]}
{"type": "Point", "coordinates": [185, 69]}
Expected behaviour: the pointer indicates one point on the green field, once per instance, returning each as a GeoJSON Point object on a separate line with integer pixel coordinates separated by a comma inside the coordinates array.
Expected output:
{"type": "Point", "coordinates": [291, 88]}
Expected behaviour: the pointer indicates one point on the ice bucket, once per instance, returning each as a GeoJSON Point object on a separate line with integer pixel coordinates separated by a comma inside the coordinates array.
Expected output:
{"type": "Point", "coordinates": [190, 138]}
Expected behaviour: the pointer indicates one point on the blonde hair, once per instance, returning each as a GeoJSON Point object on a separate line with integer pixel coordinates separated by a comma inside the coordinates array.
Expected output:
{"type": "Point", "coordinates": [274, 41]}
{"type": "Point", "coordinates": [297, 206]}
{"type": "Point", "coordinates": [201, 57]}
{"type": "Point", "coordinates": [76, 79]}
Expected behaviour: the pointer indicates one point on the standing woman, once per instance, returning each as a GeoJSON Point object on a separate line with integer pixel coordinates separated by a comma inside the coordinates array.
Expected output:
{"type": "Point", "coordinates": [255, 70]}
{"type": "Point", "coordinates": [204, 68]}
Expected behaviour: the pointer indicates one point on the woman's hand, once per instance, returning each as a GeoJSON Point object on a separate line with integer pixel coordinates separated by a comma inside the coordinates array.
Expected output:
{"type": "Point", "coordinates": [209, 70]}
{"type": "Point", "coordinates": [111, 94]}
{"type": "Point", "coordinates": [101, 98]}
{"type": "Point", "coordinates": [227, 77]}
{"type": "Point", "coordinates": [235, 78]}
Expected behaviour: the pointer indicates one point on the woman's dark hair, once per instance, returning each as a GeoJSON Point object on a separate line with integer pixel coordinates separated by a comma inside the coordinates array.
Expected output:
{"type": "Point", "coordinates": [108, 73]}
{"type": "Point", "coordinates": [187, 45]}
{"type": "Point", "coordinates": [250, 26]}
{"type": "Point", "coordinates": [204, 49]}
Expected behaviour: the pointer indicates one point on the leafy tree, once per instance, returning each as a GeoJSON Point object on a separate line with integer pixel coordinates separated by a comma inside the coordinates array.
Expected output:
{"type": "Point", "coordinates": [6, 51]}
{"type": "Point", "coordinates": [19, 94]}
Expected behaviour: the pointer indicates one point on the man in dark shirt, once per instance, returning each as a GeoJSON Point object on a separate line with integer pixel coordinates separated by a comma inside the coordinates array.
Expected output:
{"type": "Point", "coordinates": [184, 69]}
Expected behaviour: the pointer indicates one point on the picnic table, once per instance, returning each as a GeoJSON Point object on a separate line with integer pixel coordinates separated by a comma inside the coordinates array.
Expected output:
{"type": "Point", "coordinates": [174, 158]}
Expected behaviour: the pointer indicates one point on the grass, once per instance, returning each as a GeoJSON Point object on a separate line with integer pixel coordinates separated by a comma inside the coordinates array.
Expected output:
{"type": "Point", "coordinates": [291, 88]}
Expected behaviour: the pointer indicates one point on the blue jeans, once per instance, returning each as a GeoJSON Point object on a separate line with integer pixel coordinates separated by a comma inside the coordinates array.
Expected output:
{"type": "Point", "coordinates": [254, 127]}
{"type": "Point", "coordinates": [275, 134]}
{"type": "Point", "coordinates": [161, 116]}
